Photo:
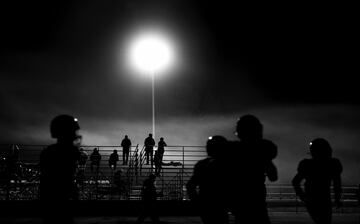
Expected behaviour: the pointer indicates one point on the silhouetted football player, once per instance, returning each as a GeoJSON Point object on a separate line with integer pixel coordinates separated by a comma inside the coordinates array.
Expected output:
{"type": "Point", "coordinates": [247, 165]}
{"type": "Point", "coordinates": [207, 176]}
{"type": "Point", "coordinates": [319, 173]}
{"type": "Point", "coordinates": [58, 163]}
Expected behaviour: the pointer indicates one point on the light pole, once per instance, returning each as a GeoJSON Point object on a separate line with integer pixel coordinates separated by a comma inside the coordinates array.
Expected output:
{"type": "Point", "coordinates": [153, 102]}
{"type": "Point", "coordinates": [151, 53]}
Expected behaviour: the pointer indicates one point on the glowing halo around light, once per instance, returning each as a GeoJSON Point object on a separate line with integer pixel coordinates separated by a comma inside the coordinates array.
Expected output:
{"type": "Point", "coordinates": [151, 52]}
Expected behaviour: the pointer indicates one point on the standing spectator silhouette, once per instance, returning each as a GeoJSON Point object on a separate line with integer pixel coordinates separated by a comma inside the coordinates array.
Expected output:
{"type": "Point", "coordinates": [95, 159]}
{"type": "Point", "coordinates": [207, 176]}
{"type": "Point", "coordinates": [158, 163]}
{"type": "Point", "coordinates": [248, 163]}
{"type": "Point", "coordinates": [149, 196]}
{"type": "Point", "coordinates": [318, 173]}
{"type": "Point", "coordinates": [158, 157]}
{"type": "Point", "coordinates": [114, 157]}
{"type": "Point", "coordinates": [58, 163]}
{"type": "Point", "coordinates": [161, 147]}
{"type": "Point", "coordinates": [126, 145]}
{"type": "Point", "coordinates": [149, 149]}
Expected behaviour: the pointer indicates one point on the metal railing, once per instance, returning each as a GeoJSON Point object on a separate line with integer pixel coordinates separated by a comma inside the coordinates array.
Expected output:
{"type": "Point", "coordinates": [124, 183]}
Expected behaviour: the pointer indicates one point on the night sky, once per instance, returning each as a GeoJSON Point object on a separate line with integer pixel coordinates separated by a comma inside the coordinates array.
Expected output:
{"type": "Point", "coordinates": [292, 65]}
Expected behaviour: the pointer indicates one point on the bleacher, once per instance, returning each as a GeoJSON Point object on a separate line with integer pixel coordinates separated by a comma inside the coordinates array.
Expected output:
{"type": "Point", "coordinates": [102, 185]}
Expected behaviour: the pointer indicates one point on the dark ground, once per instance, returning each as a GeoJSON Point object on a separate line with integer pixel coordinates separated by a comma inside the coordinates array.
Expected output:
{"type": "Point", "coordinates": [276, 218]}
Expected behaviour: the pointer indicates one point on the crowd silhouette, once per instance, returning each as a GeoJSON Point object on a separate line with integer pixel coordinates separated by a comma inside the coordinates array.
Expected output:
{"type": "Point", "coordinates": [231, 179]}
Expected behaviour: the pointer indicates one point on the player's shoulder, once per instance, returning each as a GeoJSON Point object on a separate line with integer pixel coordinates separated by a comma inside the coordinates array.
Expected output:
{"type": "Point", "coordinates": [305, 165]}
{"type": "Point", "coordinates": [235, 145]}
{"type": "Point", "coordinates": [202, 163]}
{"type": "Point", "coordinates": [49, 149]}
{"type": "Point", "coordinates": [336, 165]}
{"type": "Point", "coordinates": [270, 148]}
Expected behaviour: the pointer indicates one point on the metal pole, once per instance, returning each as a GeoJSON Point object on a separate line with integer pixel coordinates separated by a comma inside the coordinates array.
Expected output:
{"type": "Point", "coordinates": [153, 102]}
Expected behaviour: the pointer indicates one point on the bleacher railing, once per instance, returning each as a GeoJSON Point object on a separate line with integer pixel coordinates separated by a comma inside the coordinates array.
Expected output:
{"type": "Point", "coordinates": [125, 182]}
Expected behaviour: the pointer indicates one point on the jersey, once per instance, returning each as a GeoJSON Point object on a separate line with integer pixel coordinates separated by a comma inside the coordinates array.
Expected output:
{"type": "Point", "coordinates": [318, 176]}
{"type": "Point", "coordinates": [58, 165]}
{"type": "Point", "coordinates": [246, 165]}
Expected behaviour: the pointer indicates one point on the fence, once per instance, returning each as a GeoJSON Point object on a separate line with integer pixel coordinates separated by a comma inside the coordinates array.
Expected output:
{"type": "Point", "coordinates": [124, 182]}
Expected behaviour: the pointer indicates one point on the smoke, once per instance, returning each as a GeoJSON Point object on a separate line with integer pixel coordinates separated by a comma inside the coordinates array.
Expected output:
{"type": "Point", "coordinates": [291, 129]}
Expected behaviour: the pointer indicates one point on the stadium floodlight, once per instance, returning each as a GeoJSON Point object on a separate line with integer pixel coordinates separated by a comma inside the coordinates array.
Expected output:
{"type": "Point", "coordinates": [151, 53]}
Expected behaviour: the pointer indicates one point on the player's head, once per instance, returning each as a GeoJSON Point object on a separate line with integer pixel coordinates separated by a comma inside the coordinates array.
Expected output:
{"type": "Point", "coordinates": [249, 127]}
{"type": "Point", "coordinates": [150, 135]}
{"type": "Point", "coordinates": [215, 144]}
{"type": "Point", "coordinates": [320, 149]}
{"type": "Point", "coordinates": [65, 127]}
{"type": "Point", "coordinates": [161, 139]}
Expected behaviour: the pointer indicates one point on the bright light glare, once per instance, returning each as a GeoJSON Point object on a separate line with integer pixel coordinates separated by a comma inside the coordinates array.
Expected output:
{"type": "Point", "coordinates": [151, 52]}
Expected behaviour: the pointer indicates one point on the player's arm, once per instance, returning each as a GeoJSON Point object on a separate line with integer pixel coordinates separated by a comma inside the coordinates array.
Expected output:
{"type": "Point", "coordinates": [296, 182]}
{"type": "Point", "coordinates": [337, 183]}
{"type": "Point", "coordinates": [192, 184]}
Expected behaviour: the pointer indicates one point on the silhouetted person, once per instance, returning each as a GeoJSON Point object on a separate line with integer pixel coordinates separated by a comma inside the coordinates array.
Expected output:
{"type": "Point", "coordinates": [58, 163]}
{"type": "Point", "coordinates": [248, 163]}
{"type": "Point", "coordinates": [95, 159]}
{"type": "Point", "coordinates": [126, 145]}
{"type": "Point", "coordinates": [83, 159]}
{"type": "Point", "coordinates": [120, 184]}
{"type": "Point", "coordinates": [161, 147]}
{"type": "Point", "coordinates": [149, 149]}
{"type": "Point", "coordinates": [149, 196]}
{"type": "Point", "coordinates": [15, 153]}
{"type": "Point", "coordinates": [81, 167]}
{"type": "Point", "coordinates": [12, 170]}
{"type": "Point", "coordinates": [158, 163]}
{"type": "Point", "coordinates": [207, 176]}
{"type": "Point", "coordinates": [319, 172]}
{"type": "Point", "coordinates": [158, 157]}
{"type": "Point", "coordinates": [114, 157]}
{"type": "Point", "coordinates": [118, 179]}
